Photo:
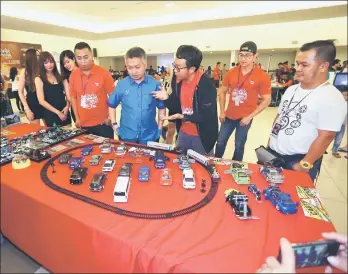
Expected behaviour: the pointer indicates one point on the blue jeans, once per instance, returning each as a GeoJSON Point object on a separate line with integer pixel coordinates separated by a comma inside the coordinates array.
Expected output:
{"type": "Point", "coordinates": [338, 139]}
{"type": "Point", "coordinates": [226, 130]}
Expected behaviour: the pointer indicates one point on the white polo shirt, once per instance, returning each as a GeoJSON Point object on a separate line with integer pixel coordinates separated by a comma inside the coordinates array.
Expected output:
{"type": "Point", "coordinates": [302, 112]}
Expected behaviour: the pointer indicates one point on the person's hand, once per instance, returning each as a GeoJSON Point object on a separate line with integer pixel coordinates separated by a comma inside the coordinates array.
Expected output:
{"type": "Point", "coordinates": [287, 264]}
{"type": "Point", "coordinates": [61, 116]}
{"type": "Point", "coordinates": [77, 122]}
{"type": "Point", "coordinates": [107, 122]}
{"type": "Point", "coordinates": [115, 128]}
{"type": "Point", "coordinates": [222, 117]}
{"type": "Point", "coordinates": [298, 167]}
{"type": "Point", "coordinates": [245, 121]}
{"type": "Point", "coordinates": [160, 94]}
{"type": "Point", "coordinates": [29, 114]}
{"type": "Point", "coordinates": [339, 261]}
{"type": "Point", "coordinates": [65, 111]}
{"type": "Point", "coordinates": [173, 117]}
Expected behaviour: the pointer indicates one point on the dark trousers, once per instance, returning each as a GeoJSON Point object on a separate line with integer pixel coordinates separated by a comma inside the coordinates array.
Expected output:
{"type": "Point", "coordinates": [101, 130]}
{"type": "Point", "coordinates": [137, 142]}
{"type": "Point", "coordinates": [226, 130]}
{"type": "Point", "coordinates": [18, 101]}
{"type": "Point", "coordinates": [290, 160]}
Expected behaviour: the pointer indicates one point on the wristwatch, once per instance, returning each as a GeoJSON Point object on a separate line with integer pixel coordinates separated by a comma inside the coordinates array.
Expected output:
{"type": "Point", "coordinates": [114, 125]}
{"type": "Point", "coordinates": [305, 164]}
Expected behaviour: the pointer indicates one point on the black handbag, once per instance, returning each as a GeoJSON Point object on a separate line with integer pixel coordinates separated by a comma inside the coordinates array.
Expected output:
{"type": "Point", "coordinates": [267, 157]}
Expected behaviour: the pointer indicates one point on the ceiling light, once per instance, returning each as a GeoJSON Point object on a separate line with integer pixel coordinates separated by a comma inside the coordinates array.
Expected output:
{"type": "Point", "coordinates": [211, 52]}
{"type": "Point", "coordinates": [170, 5]}
{"type": "Point", "coordinates": [272, 49]}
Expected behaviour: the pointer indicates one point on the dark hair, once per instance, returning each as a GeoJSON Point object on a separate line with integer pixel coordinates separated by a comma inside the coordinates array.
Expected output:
{"type": "Point", "coordinates": [63, 71]}
{"type": "Point", "coordinates": [325, 49]}
{"type": "Point", "coordinates": [218, 63]}
{"type": "Point", "coordinates": [292, 64]}
{"type": "Point", "coordinates": [82, 45]}
{"type": "Point", "coordinates": [224, 64]}
{"type": "Point", "coordinates": [209, 67]}
{"type": "Point", "coordinates": [31, 69]}
{"type": "Point", "coordinates": [336, 61]}
{"type": "Point", "coordinates": [280, 64]}
{"type": "Point", "coordinates": [136, 52]}
{"type": "Point", "coordinates": [233, 64]}
{"type": "Point", "coordinates": [13, 73]}
{"type": "Point", "coordinates": [192, 55]}
{"type": "Point", "coordinates": [46, 56]}
{"type": "Point", "coordinates": [284, 73]}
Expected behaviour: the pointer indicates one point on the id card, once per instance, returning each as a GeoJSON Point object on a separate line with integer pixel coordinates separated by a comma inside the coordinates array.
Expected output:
{"type": "Point", "coordinates": [277, 127]}
{"type": "Point", "coordinates": [83, 101]}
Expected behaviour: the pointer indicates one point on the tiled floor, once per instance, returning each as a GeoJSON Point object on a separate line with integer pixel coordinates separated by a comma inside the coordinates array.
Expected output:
{"type": "Point", "coordinates": [332, 186]}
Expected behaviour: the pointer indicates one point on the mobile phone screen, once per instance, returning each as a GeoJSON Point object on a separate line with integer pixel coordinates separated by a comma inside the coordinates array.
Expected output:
{"type": "Point", "coordinates": [314, 253]}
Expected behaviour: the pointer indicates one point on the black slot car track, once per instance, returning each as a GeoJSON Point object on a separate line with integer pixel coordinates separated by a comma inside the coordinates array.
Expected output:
{"type": "Point", "coordinates": [207, 199]}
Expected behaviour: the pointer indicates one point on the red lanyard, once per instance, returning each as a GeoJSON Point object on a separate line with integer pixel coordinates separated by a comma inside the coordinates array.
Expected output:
{"type": "Point", "coordinates": [84, 85]}
{"type": "Point", "coordinates": [240, 86]}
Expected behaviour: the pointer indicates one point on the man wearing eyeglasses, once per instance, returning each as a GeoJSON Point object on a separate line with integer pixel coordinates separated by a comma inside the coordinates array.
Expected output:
{"type": "Point", "coordinates": [192, 103]}
{"type": "Point", "coordinates": [247, 83]}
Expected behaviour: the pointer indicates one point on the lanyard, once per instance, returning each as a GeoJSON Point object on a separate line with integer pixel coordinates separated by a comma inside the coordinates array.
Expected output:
{"type": "Point", "coordinates": [287, 111]}
{"type": "Point", "coordinates": [84, 85]}
{"type": "Point", "coordinates": [240, 86]}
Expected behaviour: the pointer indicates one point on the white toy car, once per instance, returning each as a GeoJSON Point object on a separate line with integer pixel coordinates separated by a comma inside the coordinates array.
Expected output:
{"type": "Point", "coordinates": [188, 179]}
{"type": "Point", "coordinates": [109, 165]}
{"type": "Point", "coordinates": [121, 150]}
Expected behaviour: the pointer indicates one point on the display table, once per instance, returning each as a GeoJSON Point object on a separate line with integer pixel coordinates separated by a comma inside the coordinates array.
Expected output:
{"type": "Point", "coordinates": [68, 235]}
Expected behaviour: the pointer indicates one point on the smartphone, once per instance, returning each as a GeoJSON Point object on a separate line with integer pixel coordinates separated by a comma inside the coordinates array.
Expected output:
{"type": "Point", "coordinates": [313, 253]}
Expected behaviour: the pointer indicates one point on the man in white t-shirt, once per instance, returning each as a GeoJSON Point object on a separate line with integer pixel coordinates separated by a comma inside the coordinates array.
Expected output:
{"type": "Point", "coordinates": [310, 113]}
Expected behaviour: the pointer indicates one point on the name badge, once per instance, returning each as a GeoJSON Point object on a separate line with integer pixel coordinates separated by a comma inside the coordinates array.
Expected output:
{"type": "Point", "coordinates": [83, 101]}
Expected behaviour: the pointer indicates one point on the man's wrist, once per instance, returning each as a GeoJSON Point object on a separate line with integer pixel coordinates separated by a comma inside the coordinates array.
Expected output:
{"type": "Point", "coordinates": [114, 124]}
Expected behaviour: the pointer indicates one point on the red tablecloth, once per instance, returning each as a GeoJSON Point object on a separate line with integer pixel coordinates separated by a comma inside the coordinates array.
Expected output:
{"type": "Point", "coordinates": [67, 235]}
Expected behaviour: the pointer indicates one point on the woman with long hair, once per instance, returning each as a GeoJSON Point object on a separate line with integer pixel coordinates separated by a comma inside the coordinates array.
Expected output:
{"type": "Point", "coordinates": [67, 65]}
{"type": "Point", "coordinates": [52, 92]}
{"type": "Point", "coordinates": [14, 81]}
{"type": "Point", "coordinates": [33, 109]}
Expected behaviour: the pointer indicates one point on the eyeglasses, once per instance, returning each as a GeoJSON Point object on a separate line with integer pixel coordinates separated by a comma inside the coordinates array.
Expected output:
{"type": "Point", "coordinates": [245, 56]}
{"type": "Point", "coordinates": [203, 185]}
{"type": "Point", "coordinates": [177, 68]}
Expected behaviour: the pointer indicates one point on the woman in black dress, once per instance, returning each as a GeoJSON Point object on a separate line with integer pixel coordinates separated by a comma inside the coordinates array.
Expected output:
{"type": "Point", "coordinates": [33, 109]}
{"type": "Point", "coordinates": [67, 66]}
{"type": "Point", "coordinates": [52, 92]}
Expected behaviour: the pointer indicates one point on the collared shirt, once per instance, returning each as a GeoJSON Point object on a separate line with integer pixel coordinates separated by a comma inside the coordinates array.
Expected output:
{"type": "Point", "coordinates": [138, 113]}
{"type": "Point", "coordinates": [90, 92]}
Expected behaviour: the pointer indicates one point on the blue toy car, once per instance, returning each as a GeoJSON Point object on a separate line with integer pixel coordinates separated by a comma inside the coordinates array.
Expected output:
{"type": "Point", "coordinates": [254, 190]}
{"type": "Point", "coordinates": [144, 174]}
{"type": "Point", "coordinates": [76, 163]}
{"type": "Point", "coordinates": [86, 150]}
{"type": "Point", "coordinates": [281, 201]}
{"type": "Point", "coordinates": [159, 159]}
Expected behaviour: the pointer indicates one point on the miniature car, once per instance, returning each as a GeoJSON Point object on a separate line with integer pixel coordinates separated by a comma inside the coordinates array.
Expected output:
{"type": "Point", "coordinates": [105, 148]}
{"type": "Point", "coordinates": [272, 174]}
{"type": "Point", "coordinates": [213, 173]}
{"type": "Point", "coordinates": [281, 201]}
{"type": "Point", "coordinates": [109, 165]}
{"type": "Point", "coordinates": [76, 163]}
{"type": "Point", "coordinates": [188, 179]}
{"type": "Point", "coordinates": [121, 150]}
{"type": "Point", "coordinates": [125, 170]}
{"type": "Point", "coordinates": [98, 181]}
{"type": "Point", "coordinates": [78, 175]}
{"type": "Point", "coordinates": [86, 150]}
{"type": "Point", "coordinates": [95, 160]}
{"type": "Point", "coordinates": [144, 174]}
{"type": "Point", "coordinates": [241, 177]}
{"type": "Point", "coordinates": [254, 190]}
{"type": "Point", "coordinates": [166, 177]}
{"type": "Point", "coordinates": [65, 158]}
{"type": "Point", "coordinates": [42, 131]}
{"type": "Point", "coordinates": [38, 154]}
{"type": "Point", "coordinates": [184, 162]}
{"type": "Point", "coordinates": [239, 203]}
{"type": "Point", "coordinates": [159, 159]}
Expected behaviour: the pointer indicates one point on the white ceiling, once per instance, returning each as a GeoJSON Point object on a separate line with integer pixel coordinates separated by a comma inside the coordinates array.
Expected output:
{"type": "Point", "coordinates": [109, 16]}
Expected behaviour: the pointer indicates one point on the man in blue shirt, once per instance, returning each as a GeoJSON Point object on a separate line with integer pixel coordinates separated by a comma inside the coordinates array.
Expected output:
{"type": "Point", "coordinates": [138, 114]}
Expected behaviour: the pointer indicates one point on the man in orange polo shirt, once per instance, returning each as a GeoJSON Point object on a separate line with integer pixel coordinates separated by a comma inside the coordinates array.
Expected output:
{"type": "Point", "coordinates": [90, 86]}
{"type": "Point", "coordinates": [247, 82]}
{"type": "Point", "coordinates": [217, 74]}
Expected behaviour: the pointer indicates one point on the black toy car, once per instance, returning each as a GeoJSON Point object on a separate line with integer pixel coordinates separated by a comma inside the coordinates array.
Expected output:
{"type": "Point", "coordinates": [125, 170]}
{"type": "Point", "coordinates": [98, 182]}
{"type": "Point", "coordinates": [239, 203]}
{"type": "Point", "coordinates": [65, 158]}
{"type": "Point", "coordinates": [78, 175]}
{"type": "Point", "coordinates": [38, 155]}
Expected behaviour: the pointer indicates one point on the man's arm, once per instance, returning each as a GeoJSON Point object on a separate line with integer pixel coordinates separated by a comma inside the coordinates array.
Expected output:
{"type": "Point", "coordinates": [161, 113]}
{"type": "Point", "coordinates": [222, 102]}
{"type": "Point", "coordinates": [74, 108]}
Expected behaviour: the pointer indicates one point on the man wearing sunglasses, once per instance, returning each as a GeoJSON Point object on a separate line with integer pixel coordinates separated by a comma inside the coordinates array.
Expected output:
{"type": "Point", "coordinates": [247, 83]}
{"type": "Point", "coordinates": [192, 103]}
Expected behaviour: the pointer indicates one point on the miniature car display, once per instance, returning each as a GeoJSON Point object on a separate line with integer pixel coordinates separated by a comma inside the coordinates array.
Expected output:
{"type": "Point", "coordinates": [159, 159]}
{"type": "Point", "coordinates": [109, 165]}
{"type": "Point", "coordinates": [184, 161]}
{"type": "Point", "coordinates": [188, 179]}
{"type": "Point", "coordinates": [95, 160]}
{"type": "Point", "coordinates": [38, 155]}
{"type": "Point", "coordinates": [166, 177]}
{"type": "Point", "coordinates": [105, 148]}
{"type": "Point", "coordinates": [281, 201]}
{"type": "Point", "coordinates": [78, 175]}
{"type": "Point", "coordinates": [86, 150]}
{"type": "Point", "coordinates": [125, 170]}
{"type": "Point", "coordinates": [76, 162]}
{"type": "Point", "coordinates": [121, 150]}
{"type": "Point", "coordinates": [144, 174]}
{"type": "Point", "coordinates": [239, 203]}
{"type": "Point", "coordinates": [272, 174]}
{"type": "Point", "coordinates": [254, 190]}
{"type": "Point", "coordinates": [213, 173]}
{"type": "Point", "coordinates": [98, 181]}
{"type": "Point", "coordinates": [121, 189]}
